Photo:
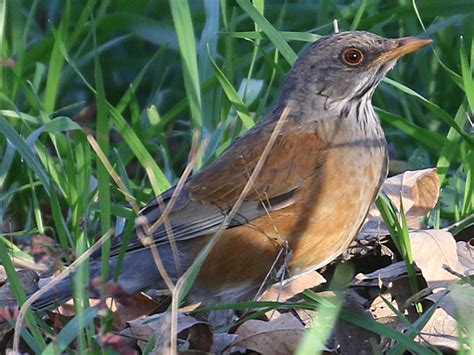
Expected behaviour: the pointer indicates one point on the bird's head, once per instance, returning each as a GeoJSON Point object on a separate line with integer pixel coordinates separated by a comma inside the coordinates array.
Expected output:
{"type": "Point", "coordinates": [347, 65]}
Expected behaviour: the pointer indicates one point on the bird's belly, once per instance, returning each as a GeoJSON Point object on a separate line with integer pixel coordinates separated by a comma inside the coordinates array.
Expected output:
{"type": "Point", "coordinates": [344, 192]}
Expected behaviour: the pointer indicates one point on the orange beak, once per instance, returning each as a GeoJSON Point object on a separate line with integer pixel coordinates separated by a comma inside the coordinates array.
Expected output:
{"type": "Point", "coordinates": [403, 46]}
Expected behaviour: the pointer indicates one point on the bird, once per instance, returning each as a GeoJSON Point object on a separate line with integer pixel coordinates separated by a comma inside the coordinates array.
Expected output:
{"type": "Point", "coordinates": [306, 203]}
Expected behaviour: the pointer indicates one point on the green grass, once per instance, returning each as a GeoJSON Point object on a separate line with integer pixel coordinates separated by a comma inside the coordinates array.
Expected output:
{"type": "Point", "coordinates": [160, 71]}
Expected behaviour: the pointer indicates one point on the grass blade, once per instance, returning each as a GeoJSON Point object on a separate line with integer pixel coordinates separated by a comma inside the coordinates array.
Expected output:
{"type": "Point", "coordinates": [273, 35]}
{"type": "Point", "coordinates": [187, 46]}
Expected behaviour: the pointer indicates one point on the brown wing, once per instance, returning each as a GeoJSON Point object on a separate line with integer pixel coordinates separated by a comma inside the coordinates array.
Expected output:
{"type": "Point", "coordinates": [208, 196]}
{"type": "Point", "coordinates": [294, 156]}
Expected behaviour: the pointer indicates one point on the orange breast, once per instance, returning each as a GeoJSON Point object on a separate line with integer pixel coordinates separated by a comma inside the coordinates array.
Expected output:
{"type": "Point", "coordinates": [330, 208]}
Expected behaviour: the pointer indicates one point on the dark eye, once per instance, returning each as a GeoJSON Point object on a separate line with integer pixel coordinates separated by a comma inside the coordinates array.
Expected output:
{"type": "Point", "coordinates": [352, 56]}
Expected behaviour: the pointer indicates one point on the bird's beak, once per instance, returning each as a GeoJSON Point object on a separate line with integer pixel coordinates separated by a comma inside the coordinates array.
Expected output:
{"type": "Point", "coordinates": [403, 46]}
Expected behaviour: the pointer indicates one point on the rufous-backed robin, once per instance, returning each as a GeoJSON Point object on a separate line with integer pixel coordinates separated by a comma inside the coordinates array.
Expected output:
{"type": "Point", "coordinates": [310, 197]}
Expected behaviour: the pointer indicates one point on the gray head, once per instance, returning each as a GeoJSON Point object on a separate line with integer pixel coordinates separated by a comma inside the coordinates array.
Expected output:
{"type": "Point", "coordinates": [346, 65]}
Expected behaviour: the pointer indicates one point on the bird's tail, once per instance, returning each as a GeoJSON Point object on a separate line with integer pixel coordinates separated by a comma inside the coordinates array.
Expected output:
{"type": "Point", "coordinates": [59, 292]}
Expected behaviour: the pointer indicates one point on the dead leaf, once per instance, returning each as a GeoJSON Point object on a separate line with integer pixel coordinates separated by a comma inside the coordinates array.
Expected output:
{"type": "Point", "coordinates": [279, 336]}
{"type": "Point", "coordinates": [137, 305]}
{"type": "Point", "coordinates": [381, 277]}
{"type": "Point", "coordinates": [466, 255]}
{"type": "Point", "coordinates": [283, 291]}
{"type": "Point", "coordinates": [432, 249]}
{"type": "Point", "coordinates": [419, 191]}
{"type": "Point", "coordinates": [441, 330]}
{"type": "Point", "coordinates": [221, 342]}
{"type": "Point", "coordinates": [193, 334]}
{"type": "Point", "coordinates": [140, 331]}
{"type": "Point", "coordinates": [308, 317]}
{"type": "Point", "coordinates": [396, 295]}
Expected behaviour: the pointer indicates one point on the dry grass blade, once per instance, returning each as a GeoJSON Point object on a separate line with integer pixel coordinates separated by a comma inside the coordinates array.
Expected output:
{"type": "Point", "coordinates": [248, 186]}
{"type": "Point", "coordinates": [149, 230]}
{"type": "Point", "coordinates": [128, 196]}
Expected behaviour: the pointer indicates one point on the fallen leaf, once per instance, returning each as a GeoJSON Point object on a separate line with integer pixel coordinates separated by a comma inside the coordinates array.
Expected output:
{"type": "Point", "coordinates": [279, 336]}
{"type": "Point", "coordinates": [308, 317]}
{"type": "Point", "coordinates": [441, 331]}
{"type": "Point", "coordinates": [193, 334]}
{"type": "Point", "coordinates": [432, 250]}
{"type": "Point", "coordinates": [137, 305]}
{"type": "Point", "coordinates": [419, 191]}
{"type": "Point", "coordinates": [221, 342]}
{"type": "Point", "coordinates": [466, 255]}
{"type": "Point", "coordinates": [381, 277]}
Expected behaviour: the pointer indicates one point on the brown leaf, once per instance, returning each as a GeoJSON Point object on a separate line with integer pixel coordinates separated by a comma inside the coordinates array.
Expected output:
{"type": "Point", "coordinates": [441, 330]}
{"type": "Point", "coordinates": [137, 305]}
{"type": "Point", "coordinates": [418, 189]}
{"type": "Point", "coordinates": [396, 295]}
{"type": "Point", "coordinates": [432, 249]}
{"type": "Point", "coordinates": [193, 334]}
{"type": "Point", "coordinates": [466, 254]}
{"type": "Point", "coordinates": [279, 336]}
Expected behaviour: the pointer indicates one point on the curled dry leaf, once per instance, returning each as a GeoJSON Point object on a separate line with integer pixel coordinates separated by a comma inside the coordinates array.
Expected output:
{"type": "Point", "coordinates": [419, 192]}
{"type": "Point", "coordinates": [279, 336]}
{"type": "Point", "coordinates": [283, 291]}
{"type": "Point", "coordinates": [433, 250]}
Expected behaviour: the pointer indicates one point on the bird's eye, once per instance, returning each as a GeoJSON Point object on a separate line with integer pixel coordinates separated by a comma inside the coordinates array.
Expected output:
{"type": "Point", "coordinates": [352, 56]}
